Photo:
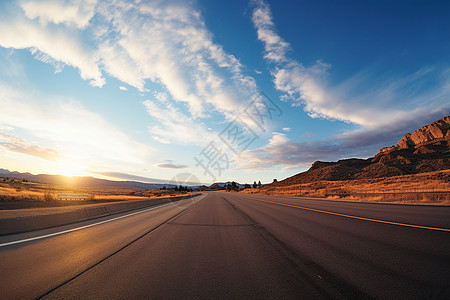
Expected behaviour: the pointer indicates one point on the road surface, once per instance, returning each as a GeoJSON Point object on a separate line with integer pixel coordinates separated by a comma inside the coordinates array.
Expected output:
{"type": "Point", "coordinates": [229, 245]}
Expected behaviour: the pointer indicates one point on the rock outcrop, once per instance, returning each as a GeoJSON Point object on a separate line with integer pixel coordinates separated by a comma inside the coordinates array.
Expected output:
{"type": "Point", "coordinates": [436, 131]}
{"type": "Point", "coordinates": [426, 149]}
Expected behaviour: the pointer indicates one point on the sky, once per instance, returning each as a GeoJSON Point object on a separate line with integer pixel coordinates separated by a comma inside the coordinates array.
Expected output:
{"type": "Point", "coordinates": [214, 91]}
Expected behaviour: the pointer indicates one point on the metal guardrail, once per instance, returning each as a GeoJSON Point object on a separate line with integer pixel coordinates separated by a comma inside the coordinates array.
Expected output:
{"type": "Point", "coordinates": [72, 196]}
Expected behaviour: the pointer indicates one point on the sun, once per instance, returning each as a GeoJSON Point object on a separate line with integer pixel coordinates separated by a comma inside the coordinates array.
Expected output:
{"type": "Point", "coordinates": [70, 169]}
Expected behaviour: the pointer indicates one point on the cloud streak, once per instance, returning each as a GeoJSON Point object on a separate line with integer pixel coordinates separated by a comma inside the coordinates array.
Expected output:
{"type": "Point", "coordinates": [74, 133]}
{"type": "Point", "coordinates": [18, 145]}
{"type": "Point", "coordinates": [175, 126]}
{"type": "Point", "coordinates": [275, 46]}
{"type": "Point", "coordinates": [171, 166]}
{"type": "Point", "coordinates": [385, 106]}
{"type": "Point", "coordinates": [372, 108]}
{"type": "Point", "coordinates": [57, 46]}
{"type": "Point", "coordinates": [281, 151]}
{"type": "Point", "coordinates": [73, 13]}
{"type": "Point", "coordinates": [168, 43]}
{"type": "Point", "coordinates": [165, 42]}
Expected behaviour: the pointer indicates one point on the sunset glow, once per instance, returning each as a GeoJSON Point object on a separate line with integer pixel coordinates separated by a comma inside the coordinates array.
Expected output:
{"type": "Point", "coordinates": [71, 169]}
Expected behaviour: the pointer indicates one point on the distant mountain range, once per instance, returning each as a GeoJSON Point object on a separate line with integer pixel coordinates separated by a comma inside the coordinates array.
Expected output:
{"type": "Point", "coordinates": [217, 186]}
{"type": "Point", "coordinates": [82, 181]}
{"type": "Point", "coordinates": [426, 149]}
{"type": "Point", "coordinates": [87, 181]}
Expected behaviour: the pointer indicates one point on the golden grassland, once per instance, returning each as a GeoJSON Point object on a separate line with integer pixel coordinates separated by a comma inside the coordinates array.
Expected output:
{"type": "Point", "coordinates": [432, 187]}
{"type": "Point", "coordinates": [13, 190]}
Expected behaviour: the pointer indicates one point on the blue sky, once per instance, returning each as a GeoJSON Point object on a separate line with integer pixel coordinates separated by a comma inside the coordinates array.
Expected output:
{"type": "Point", "coordinates": [223, 90]}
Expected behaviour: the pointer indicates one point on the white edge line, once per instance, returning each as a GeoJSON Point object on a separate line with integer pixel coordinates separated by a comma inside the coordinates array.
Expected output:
{"type": "Point", "coordinates": [78, 228]}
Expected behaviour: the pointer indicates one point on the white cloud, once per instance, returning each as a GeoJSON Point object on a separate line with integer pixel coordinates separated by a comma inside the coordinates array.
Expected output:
{"type": "Point", "coordinates": [165, 42]}
{"type": "Point", "coordinates": [74, 12]}
{"type": "Point", "coordinates": [171, 166]}
{"type": "Point", "coordinates": [72, 132]}
{"type": "Point", "coordinates": [122, 88]}
{"type": "Point", "coordinates": [18, 145]}
{"type": "Point", "coordinates": [168, 43]}
{"type": "Point", "coordinates": [286, 129]}
{"type": "Point", "coordinates": [161, 97]}
{"type": "Point", "coordinates": [51, 45]}
{"type": "Point", "coordinates": [280, 151]}
{"type": "Point", "coordinates": [275, 46]}
{"type": "Point", "coordinates": [160, 139]}
{"type": "Point", "coordinates": [376, 106]}
{"type": "Point", "coordinates": [176, 126]}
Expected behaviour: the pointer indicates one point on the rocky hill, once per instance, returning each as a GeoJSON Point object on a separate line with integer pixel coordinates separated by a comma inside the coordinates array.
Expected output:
{"type": "Point", "coordinates": [436, 132]}
{"type": "Point", "coordinates": [426, 149]}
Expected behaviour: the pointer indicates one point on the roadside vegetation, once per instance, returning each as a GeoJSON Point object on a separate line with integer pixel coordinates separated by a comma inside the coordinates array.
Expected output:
{"type": "Point", "coordinates": [432, 187]}
{"type": "Point", "coordinates": [17, 194]}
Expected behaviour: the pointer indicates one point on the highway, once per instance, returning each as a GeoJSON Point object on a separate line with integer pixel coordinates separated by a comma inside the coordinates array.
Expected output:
{"type": "Point", "coordinates": [232, 245]}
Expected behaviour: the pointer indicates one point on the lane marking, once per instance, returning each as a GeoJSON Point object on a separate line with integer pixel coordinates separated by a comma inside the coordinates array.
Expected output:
{"type": "Point", "coordinates": [82, 227]}
{"type": "Point", "coordinates": [350, 216]}
{"type": "Point", "coordinates": [123, 247]}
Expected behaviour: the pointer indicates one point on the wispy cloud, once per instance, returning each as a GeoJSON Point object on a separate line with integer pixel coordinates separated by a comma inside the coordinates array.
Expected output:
{"type": "Point", "coordinates": [18, 145]}
{"type": "Point", "coordinates": [363, 99]}
{"type": "Point", "coordinates": [171, 166]}
{"type": "Point", "coordinates": [163, 42]}
{"type": "Point", "coordinates": [175, 126]}
{"type": "Point", "coordinates": [73, 13]}
{"type": "Point", "coordinates": [122, 88]}
{"type": "Point", "coordinates": [51, 45]}
{"type": "Point", "coordinates": [385, 105]}
{"type": "Point", "coordinates": [282, 151]}
{"type": "Point", "coordinates": [275, 46]}
{"type": "Point", "coordinates": [168, 42]}
{"type": "Point", "coordinates": [69, 129]}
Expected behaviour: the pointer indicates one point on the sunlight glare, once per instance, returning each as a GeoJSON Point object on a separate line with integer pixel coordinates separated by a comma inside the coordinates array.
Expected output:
{"type": "Point", "coordinates": [70, 169]}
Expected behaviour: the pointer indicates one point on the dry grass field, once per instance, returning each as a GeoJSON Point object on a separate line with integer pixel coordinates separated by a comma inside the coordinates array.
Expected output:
{"type": "Point", "coordinates": [432, 187]}
{"type": "Point", "coordinates": [15, 194]}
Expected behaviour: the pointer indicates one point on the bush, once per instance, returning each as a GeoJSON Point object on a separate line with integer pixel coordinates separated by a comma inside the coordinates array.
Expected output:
{"type": "Point", "coordinates": [49, 196]}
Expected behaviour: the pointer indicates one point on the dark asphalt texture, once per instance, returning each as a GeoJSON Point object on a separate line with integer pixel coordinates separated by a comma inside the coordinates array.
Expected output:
{"type": "Point", "coordinates": [229, 245]}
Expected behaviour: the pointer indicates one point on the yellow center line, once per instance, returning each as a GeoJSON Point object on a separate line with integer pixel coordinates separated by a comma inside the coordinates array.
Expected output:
{"type": "Point", "coordinates": [350, 216]}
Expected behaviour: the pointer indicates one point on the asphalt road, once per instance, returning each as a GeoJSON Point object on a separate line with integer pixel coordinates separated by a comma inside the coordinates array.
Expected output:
{"type": "Point", "coordinates": [228, 245]}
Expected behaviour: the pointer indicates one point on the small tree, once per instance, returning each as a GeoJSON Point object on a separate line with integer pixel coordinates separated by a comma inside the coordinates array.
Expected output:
{"type": "Point", "coordinates": [259, 184]}
{"type": "Point", "coordinates": [255, 185]}
{"type": "Point", "coordinates": [275, 180]}
{"type": "Point", "coordinates": [234, 186]}
{"type": "Point", "coordinates": [49, 194]}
